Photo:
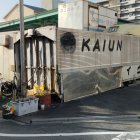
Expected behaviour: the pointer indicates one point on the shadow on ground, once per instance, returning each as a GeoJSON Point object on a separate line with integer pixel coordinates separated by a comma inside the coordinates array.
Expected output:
{"type": "Point", "coordinates": [123, 101]}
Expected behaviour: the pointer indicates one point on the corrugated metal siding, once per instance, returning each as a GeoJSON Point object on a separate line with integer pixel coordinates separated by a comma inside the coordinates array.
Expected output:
{"type": "Point", "coordinates": [38, 61]}
{"type": "Point", "coordinates": [99, 66]}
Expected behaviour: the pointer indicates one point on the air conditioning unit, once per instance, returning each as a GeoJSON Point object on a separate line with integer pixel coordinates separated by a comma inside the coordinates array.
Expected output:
{"type": "Point", "coordinates": [5, 40]}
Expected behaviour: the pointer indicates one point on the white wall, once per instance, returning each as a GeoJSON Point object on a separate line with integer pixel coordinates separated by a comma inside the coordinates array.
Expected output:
{"type": "Point", "coordinates": [7, 57]}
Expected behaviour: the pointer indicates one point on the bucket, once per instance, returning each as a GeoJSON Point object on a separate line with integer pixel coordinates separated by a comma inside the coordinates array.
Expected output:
{"type": "Point", "coordinates": [42, 107]}
{"type": "Point", "coordinates": [46, 100]}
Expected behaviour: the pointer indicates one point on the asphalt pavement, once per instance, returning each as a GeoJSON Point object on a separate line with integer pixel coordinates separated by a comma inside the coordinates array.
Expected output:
{"type": "Point", "coordinates": [122, 101]}
{"type": "Point", "coordinates": [103, 116]}
{"type": "Point", "coordinates": [90, 137]}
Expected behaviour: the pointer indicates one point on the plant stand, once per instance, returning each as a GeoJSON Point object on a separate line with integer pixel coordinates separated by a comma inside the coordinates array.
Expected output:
{"type": "Point", "coordinates": [45, 100]}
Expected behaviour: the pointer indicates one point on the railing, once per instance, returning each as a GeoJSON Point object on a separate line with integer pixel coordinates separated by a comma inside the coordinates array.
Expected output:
{"type": "Point", "coordinates": [138, 9]}
{"type": "Point", "coordinates": [124, 2]}
{"type": "Point", "coordinates": [128, 17]}
{"type": "Point", "coordinates": [125, 17]}
{"type": "Point", "coordinates": [128, 10]}
{"type": "Point", "coordinates": [131, 18]}
{"type": "Point", "coordinates": [137, 15]}
{"type": "Point", "coordinates": [128, 2]}
{"type": "Point", "coordinates": [137, 1]}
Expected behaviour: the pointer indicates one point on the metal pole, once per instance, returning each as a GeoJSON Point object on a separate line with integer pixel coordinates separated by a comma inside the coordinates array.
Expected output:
{"type": "Point", "coordinates": [22, 48]}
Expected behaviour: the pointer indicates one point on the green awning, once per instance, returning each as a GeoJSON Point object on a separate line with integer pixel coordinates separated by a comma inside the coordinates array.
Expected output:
{"type": "Point", "coordinates": [38, 20]}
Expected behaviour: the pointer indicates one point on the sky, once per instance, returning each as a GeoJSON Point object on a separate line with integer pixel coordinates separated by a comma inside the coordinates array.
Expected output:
{"type": "Point", "coordinates": [6, 5]}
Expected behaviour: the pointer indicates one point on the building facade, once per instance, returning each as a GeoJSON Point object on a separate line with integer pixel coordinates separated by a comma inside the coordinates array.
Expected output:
{"type": "Point", "coordinates": [127, 9]}
{"type": "Point", "coordinates": [13, 14]}
{"type": "Point", "coordinates": [50, 4]}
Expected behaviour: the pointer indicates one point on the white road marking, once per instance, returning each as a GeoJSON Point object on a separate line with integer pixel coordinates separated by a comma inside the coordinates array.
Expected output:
{"type": "Point", "coordinates": [61, 134]}
{"type": "Point", "coordinates": [130, 136]}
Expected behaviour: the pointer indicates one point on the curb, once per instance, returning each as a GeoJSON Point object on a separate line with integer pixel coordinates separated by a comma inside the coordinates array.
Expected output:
{"type": "Point", "coordinates": [87, 118]}
{"type": "Point", "coordinates": [0, 114]}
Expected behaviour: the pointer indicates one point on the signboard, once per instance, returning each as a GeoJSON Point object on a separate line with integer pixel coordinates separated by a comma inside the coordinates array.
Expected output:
{"type": "Point", "coordinates": [93, 17]}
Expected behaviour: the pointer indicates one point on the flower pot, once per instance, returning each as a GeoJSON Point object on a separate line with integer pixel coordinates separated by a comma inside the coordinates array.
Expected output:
{"type": "Point", "coordinates": [45, 100]}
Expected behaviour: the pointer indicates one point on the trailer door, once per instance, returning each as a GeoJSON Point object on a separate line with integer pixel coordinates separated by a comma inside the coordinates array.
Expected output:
{"type": "Point", "coordinates": [39, 62]}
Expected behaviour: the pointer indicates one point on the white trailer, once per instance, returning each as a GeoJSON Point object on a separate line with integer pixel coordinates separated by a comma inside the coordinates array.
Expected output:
{"type": "Point", "coordinates": [73, 63]}
{"type": "Point", "coordinates": [85, 15]}
{"type": "Point", "coordinates": [91, 62]}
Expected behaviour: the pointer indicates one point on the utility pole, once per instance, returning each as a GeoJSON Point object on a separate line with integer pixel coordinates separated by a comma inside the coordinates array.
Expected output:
{"type": "Point", "coordinates": [22, 48]}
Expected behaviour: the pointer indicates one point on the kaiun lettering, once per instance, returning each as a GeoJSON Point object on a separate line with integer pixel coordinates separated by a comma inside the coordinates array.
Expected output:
{"type": "Point", "coordinates": [111, 45]}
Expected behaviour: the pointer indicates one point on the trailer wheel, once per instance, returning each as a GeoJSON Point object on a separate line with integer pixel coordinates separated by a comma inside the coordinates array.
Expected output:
{"type": "Point", "coordinates": [126, 84]}
{"type": "Point", "coordinates": [131, 82]}
{"type": "Point", "coordinates": [98, 89]}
